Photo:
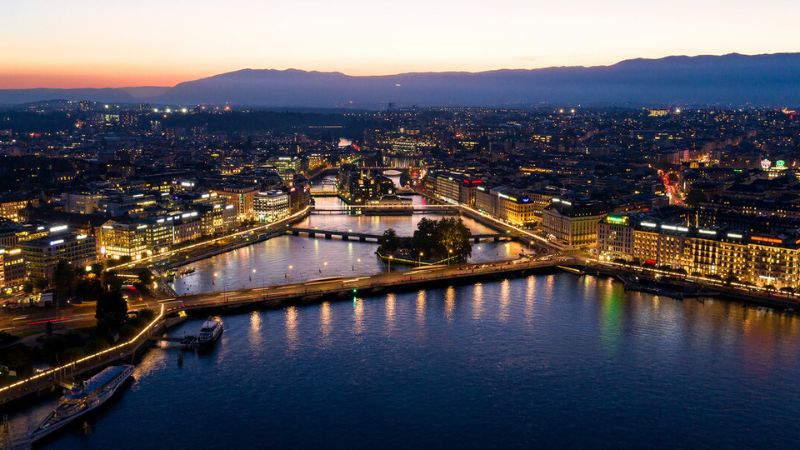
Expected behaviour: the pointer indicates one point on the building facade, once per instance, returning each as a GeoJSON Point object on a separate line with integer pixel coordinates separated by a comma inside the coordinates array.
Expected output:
{"type": "Point", "coordinates": [572, 225]}
{"type": "Point", "coordinates": [43, 254]}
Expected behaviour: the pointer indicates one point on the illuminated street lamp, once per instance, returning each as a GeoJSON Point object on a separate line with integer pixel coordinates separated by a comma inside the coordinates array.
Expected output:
{"type": "Point", "coordinates": [419, 262]}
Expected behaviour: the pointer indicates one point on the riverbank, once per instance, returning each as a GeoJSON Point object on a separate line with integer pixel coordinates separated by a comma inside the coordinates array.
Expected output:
{"type": "Point", "coordinates": [46, 381]}
{"type": "Point", "coordinates": [684, 287]}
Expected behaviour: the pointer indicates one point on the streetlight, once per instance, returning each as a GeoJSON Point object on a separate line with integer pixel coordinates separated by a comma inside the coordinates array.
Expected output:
{"type": "Point", "coordinates": [450, 252]}
{"type": "Point", "coordinates": [419, 261]}
{"type": "Point", "coordinates": [391, 257]}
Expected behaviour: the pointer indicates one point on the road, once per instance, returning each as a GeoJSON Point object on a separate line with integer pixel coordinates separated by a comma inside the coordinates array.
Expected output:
{"type": "Point", "coordinates": [339, 286]}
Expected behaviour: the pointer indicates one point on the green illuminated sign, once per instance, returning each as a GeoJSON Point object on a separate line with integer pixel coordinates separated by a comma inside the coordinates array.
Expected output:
{"type": "Point", "coordinates": [617, 220]}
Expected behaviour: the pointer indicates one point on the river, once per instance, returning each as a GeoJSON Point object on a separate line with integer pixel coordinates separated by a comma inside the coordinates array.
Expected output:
{"type": "Point", "coordinates": [549, 360]}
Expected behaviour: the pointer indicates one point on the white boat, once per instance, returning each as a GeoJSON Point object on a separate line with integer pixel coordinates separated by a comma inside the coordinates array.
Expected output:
{"type": "Point", "coordinates": [210, 331]}
{"type": "Point", "coordinates": [83, 398]}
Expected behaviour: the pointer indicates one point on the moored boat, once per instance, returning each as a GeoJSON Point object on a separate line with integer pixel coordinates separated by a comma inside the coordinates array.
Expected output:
{"type": "Point", "coordinates": [210, 331]}
{"type": "Point", "coordinates": [84, 398]}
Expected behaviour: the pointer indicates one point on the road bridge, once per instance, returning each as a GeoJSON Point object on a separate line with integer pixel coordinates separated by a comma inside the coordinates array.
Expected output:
{"type": "Point", "coordinates": [369, 237]}
{"type": "Point", "coordinates": [387, 209]}
{"type": "Point", "coordinates": [314, 290]}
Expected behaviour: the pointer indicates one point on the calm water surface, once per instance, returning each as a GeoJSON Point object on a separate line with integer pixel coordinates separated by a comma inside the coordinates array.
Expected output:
{"type": "Point", "coordinates": [551, 360]}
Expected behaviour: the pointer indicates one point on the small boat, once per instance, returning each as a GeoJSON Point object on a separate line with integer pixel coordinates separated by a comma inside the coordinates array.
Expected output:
{"type": "Point", "coordinates": [187, 271]}
{"type": "Point", "coordinates": [83, 398]}
{"type": "Point", "coordinates": [210, 331]}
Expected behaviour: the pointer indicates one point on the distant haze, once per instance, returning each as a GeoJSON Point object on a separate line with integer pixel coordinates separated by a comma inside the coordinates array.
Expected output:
{"type": "Point", "coordinates": [761, 80]}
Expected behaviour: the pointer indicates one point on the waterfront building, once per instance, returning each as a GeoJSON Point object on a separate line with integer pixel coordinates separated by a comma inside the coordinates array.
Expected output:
{"type": "Point", "coordinates": [271, 206]}
{"type": "Point", "coordinates": [241, 197]}
{"type": "Point", "coordinates": [506, 204]}
{"type": "Point", "coordinates": [615, 236]}
{"type": "Point", "coordinates": [124, 239]}
{"type": "Point", "coordinates": [359, 187]}
{"type": "Point", "coordinates": [216, 218]}
{"type": "Point", "coordinates": [455, 187]}
{"type": "Point", "coordinates": [755, 259]}
{"type": "Point", "coordinates": [43, 254]}
{"type": "Point", "coordinates": [571, 224]}
{"type": "Point", "coordinates": [186, 227]}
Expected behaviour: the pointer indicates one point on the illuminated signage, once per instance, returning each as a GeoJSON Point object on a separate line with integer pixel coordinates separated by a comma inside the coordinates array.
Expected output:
{"type": "Point", "coordinates": [648, 224]}
{"type": "Point", "coordinates": [770, 240]}
{"type": "Point", "coordinates": [58, 228]}
{"type": "Point", "coordinates": [617, 220]}
{"type": "Point", "coordinates": [735, 235]}
{"type": "Point", "coordinates": [707, 232]}
{"type": "Point", "coordinates": [60, 241]}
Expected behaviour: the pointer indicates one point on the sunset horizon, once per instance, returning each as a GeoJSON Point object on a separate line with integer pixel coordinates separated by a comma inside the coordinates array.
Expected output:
{"type": "Point", "coordinates": [113, 44]}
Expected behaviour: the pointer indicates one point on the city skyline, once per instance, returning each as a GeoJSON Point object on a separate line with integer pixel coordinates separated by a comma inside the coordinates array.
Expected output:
{"type": "Point", "coordinates": [157, 45]}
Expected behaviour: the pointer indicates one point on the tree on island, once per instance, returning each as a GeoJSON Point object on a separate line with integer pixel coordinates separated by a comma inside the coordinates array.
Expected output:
{"type": "Point", "coordinates": [389, 241]}
{"type": "Point", "coordinates": [435, 239]}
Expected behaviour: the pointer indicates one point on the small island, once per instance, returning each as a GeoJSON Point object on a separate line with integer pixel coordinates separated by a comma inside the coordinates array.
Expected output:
{"type": "Point", "coordinates": [443, 241]}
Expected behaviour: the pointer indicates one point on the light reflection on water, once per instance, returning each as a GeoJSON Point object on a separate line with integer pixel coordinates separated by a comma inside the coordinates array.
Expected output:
{"type": "Point", "coordinates": [290, 259]}
{"type": "Point", "coordinates": [551, 360]}
{"type": "Point", "coordinates": [547, 360]}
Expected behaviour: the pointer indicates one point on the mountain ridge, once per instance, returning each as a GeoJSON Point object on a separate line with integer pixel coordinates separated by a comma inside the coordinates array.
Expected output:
{"type": "Point", "coordinates": [732, 79]}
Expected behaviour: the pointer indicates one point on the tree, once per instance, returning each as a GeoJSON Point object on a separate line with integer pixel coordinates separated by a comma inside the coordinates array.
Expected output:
{"type": "Point", "coordinates": [89, 289]}
{"type": "Point", "coordinates": [63, 279]}
{"type": "Point", "coordinates": [452, 237]}
{"type": "Point", "coordinates": [444, 238]}
{"type": "Point", "coordinates": [111, 308]}
{"type": "Point", "coordinates": [389, 241]}
{"type": "Point", "coordinates": [145, 277]}
{"type": "Point", "coordinates": [425, 235]}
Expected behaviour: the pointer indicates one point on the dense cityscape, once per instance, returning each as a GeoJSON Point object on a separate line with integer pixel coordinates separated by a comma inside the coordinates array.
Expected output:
{"type": "Point", "coordinates": [701, 192]}
{"type": "Point", "coordinates": [370, 225]}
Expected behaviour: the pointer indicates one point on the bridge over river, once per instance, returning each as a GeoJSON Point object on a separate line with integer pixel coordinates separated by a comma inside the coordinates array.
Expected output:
{"type": "Point", "coordinates": [368, 237]}
{"type": "Point", "coordinates": [314, 290]}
